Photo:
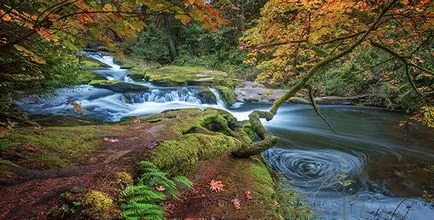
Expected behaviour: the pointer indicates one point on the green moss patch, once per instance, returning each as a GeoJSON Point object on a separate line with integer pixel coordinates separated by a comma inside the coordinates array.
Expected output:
{"type": "Point", "coordinates": [227, 94]}
{"type": "Point", "coordinates": [182, 76]}
{"type": "Point", "coordinates": [51, 147]}
{"type": "Point", "coordinates": [117, 86]}
{"type": "Point", "coordinates": [92, 64]}
{"type": "Point", "coordinates": [245, 181]}
{"type": "Point", "coordinates": [180, 156]}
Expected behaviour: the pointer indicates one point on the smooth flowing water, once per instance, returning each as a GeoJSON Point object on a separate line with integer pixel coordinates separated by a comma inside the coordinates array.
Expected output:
{"type": "Point", "coordinates": [357, 173]}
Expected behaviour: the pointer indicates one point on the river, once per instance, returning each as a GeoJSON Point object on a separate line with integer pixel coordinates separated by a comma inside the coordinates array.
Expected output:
{"type": "Point", "coordinates": [369, 169]}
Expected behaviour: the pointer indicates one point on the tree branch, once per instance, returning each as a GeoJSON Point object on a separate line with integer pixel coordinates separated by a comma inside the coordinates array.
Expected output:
{"type": "Point", "coordinates": [254, 118]}
{"type": "Point", "coordinates": [403, 59]}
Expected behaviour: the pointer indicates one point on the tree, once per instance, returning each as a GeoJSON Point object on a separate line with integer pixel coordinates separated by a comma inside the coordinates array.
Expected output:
{"type": "Point", "coordinates": [36, 34]}
{"type": "Point", "coordinates": [298, 38]}
{"type": "Point", "coordinates": [77, 21]}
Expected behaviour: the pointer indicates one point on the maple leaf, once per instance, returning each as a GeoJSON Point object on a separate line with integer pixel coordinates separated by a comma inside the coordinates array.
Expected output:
{"type": "Point", "coordinates": [216, 186]}
{"type": "Point", "coordinates": [249, 195]}
{"type": "Point", "coordinates": [160, 188]}
{"type": "Point", "coordinates": [237, 203]}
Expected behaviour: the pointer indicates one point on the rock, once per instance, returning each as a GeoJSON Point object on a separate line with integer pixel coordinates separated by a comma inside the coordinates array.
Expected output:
{"type": "Point", "coordinates": [337, 100]}
{"type": "Point", "coordinates": [116, 86]}
{"type": "Point", "coordinates": [206, 96]}
{"type": "Point", "coordinates": [255, 92]}
{"type": "Point", "coordinates": [227, 94]}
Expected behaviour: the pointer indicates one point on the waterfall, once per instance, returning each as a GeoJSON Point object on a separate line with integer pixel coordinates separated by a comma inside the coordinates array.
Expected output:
{"type": "Point", "coordinates": [220, 101]}
{"type": "Point", "coordinates": [166, 95]}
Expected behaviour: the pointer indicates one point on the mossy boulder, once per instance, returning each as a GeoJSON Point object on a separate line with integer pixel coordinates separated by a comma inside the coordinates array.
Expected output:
{"type": "Point", "coordinates": [181, 76]}
{"type": "Point", "coordinates": [180, 156]}
{"type": "Point", "coordinates": [206, 96]}
{"type": "Point", "coordinates": [117, 86]}
{"type": "Point", "coordinates": [227, 94]}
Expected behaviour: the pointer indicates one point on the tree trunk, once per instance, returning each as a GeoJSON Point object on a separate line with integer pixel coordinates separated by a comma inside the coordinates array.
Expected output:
{"type": "Point", "coordinates": [170, 41]}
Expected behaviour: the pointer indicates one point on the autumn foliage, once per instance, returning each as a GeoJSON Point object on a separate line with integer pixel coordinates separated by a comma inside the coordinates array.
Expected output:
{"type": "Point", "coordinates": [74, 22]}
{"type": "Point", "coordinates": [294, 35]}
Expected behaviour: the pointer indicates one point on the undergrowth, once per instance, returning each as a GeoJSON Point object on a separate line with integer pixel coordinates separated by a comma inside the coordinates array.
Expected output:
{"type": "Point", "coordinates": [144, 199]}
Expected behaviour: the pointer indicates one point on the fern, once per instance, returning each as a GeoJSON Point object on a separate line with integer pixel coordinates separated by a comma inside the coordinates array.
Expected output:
{"type": "Point", "coordinates": [143, 200]}
{"type": "Point", "coordinates": [184, 181]}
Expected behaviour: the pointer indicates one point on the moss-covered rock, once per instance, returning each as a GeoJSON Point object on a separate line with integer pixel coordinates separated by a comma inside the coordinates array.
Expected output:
{"type": "Point", "coordinates": [227, 94]}
{"type": "Point", "coordinates": [182, 76]}
{"type": "Point", "coordinates": [180, 156]}
{"type": "Point", "coordinates": [92, 63]}
{"type": "Point", "coordinates": [206, 96]}
{"type": "Point", "coordinates": [117, 86]}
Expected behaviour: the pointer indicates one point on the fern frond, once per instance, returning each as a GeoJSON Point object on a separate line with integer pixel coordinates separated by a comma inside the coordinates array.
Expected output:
{"type": "Point", "coordinates": [147, 210]}
{"type": "Point", "coordinates": [184, 181]}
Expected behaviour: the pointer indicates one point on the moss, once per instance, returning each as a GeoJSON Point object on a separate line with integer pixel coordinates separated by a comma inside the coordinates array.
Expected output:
{"type": "Point", "coordinates": [240, 176]}
{"type": "Point", "coordinates": [92, 64]}
{"type": "Point", "coordinates": [51, 147]}
{"type": "Point", "coordinates": [117, 86]}
{"type": "Point", "coordinates": [227, 94]}
{"type": "Point", "coordinates": [180, 156]}
{"type": "Point", "coordinates": [123, 178]}
{"type": "Point", "coordinates": [298, 100]}
{"type": "Point", "coordinates": [291, 203]}
{"type": "Point", "coordinates": [248, 129]}
{"type": "Point", "coordinates": [4, 144]}
{"type": "Point", "coordinates": [180, 75]}
{"type": "Point", "coordinates": [97, 201]}
{"type": "Point", "coordinates": [251, 100]}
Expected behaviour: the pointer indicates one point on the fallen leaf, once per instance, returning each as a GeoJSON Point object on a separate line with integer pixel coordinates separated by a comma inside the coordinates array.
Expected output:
{"type": "Point", "coordinates": [237, 203]}
{"type": "Point", "coordinates": [160, 188]}
{"type": "Point", "coordinates": [216, 186]}
{"type": "Point", "coordinates": [30, 147]}
{"type": "Point", "coordinates": [427, 197]}
{"type": "Point", "coordinates": [111, 140]}
{"type": "Point", "coordinates": [249, 195]}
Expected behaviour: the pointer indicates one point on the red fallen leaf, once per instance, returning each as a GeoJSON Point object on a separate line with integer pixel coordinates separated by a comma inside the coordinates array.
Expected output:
{"type": "Point", "coordinates": [237, 203]}
{"type": "Point", "coordinates": [30, 147]}
{"type": "Point", "coordinates": [160, 188]}
{"type": "Point", "coordinates": [249, 195]}
{"type": "Point", "coordinates": [216, 186]}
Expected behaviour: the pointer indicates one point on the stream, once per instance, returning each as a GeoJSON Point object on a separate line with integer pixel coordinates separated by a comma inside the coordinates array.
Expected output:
{"type": "Point", "coordinates": [364, 171]}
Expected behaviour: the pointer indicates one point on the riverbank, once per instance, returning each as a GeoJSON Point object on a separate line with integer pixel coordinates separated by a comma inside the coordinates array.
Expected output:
{"type": "Point", "coordinates": [40, 166]}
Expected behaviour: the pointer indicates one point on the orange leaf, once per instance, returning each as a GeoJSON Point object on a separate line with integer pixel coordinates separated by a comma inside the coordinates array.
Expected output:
{"type": "Point", "coordinates": [216, 186]}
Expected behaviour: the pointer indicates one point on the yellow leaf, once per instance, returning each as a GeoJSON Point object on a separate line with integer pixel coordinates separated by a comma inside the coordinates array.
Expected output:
{"type": "Point", "coordinates": [185, 19]}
